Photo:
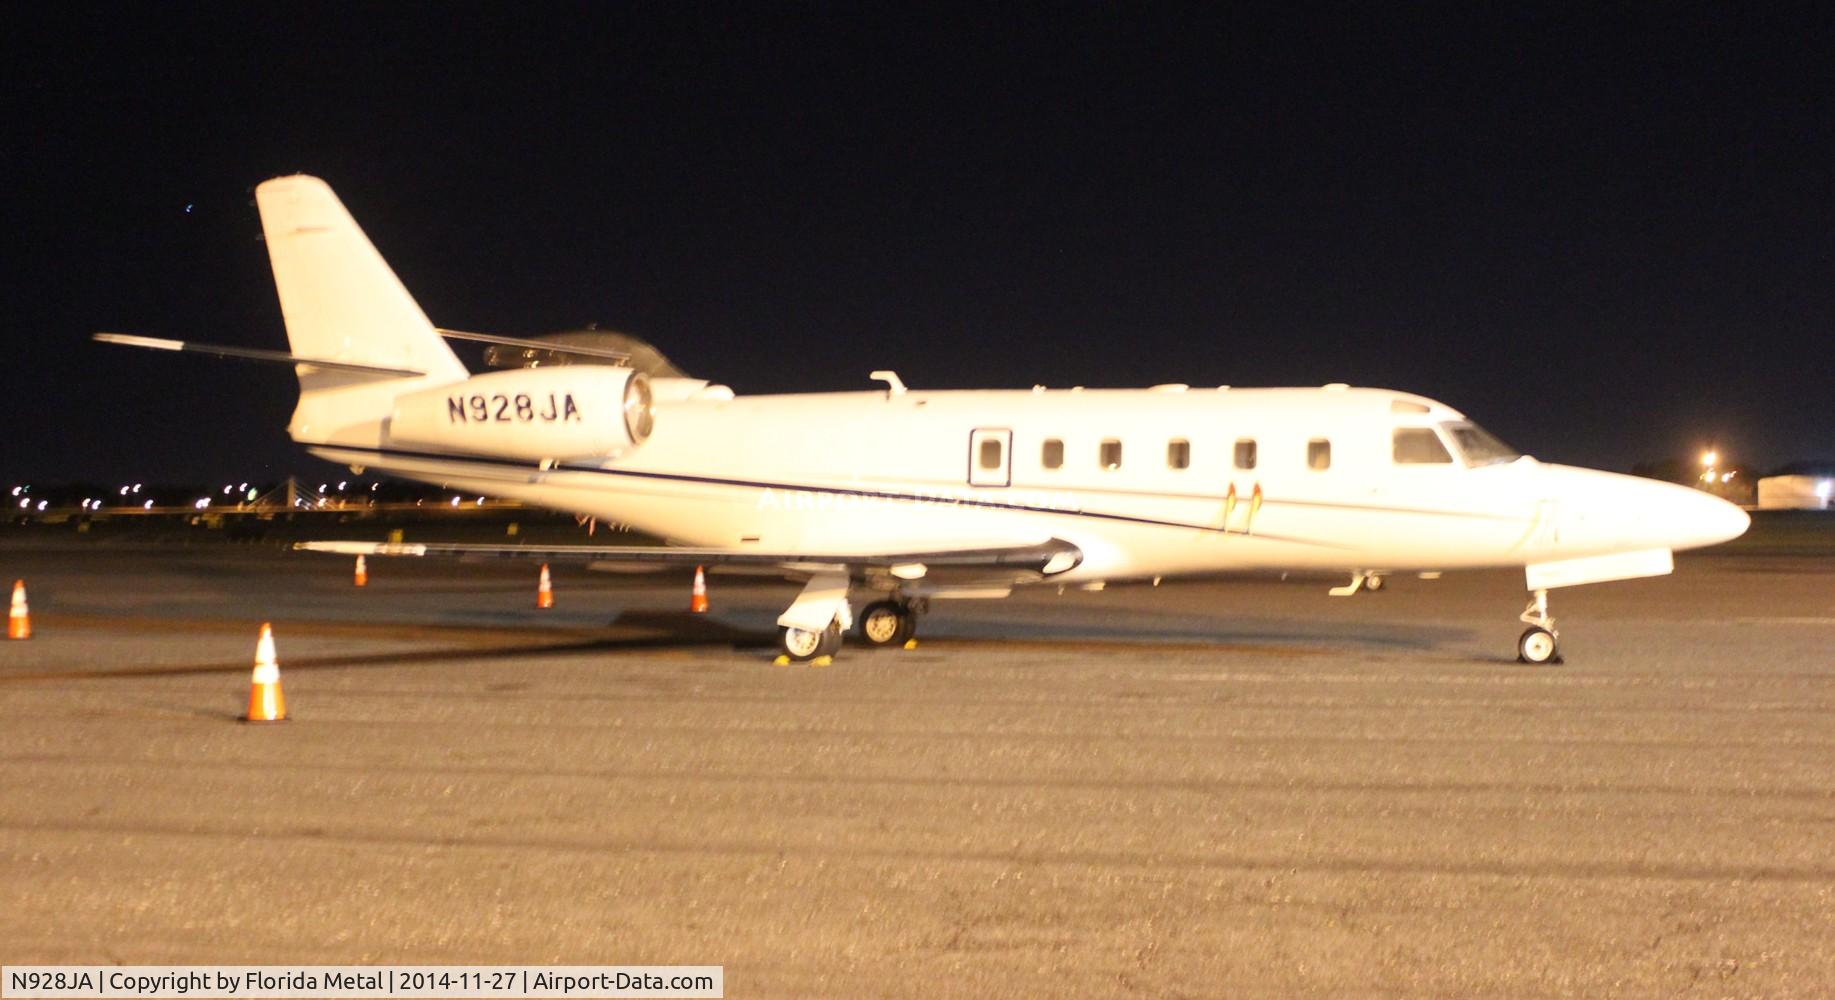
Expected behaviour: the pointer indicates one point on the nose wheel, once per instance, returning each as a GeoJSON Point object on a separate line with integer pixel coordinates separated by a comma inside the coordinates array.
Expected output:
{"type": "Point", "coordinates": [1539, 643]}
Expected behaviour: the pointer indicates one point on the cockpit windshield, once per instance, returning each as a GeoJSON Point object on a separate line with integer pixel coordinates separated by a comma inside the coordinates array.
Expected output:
{"type": "Point", "coordinates": [1477, 446]}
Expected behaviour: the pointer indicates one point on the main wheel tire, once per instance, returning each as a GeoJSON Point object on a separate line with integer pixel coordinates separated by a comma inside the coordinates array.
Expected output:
{"type": "Point", "coordinates": [886, 623]}
{"type": "Point", "coordinates": [803, 644]}
{"type": "Point", "coordinates": [1537, 645]}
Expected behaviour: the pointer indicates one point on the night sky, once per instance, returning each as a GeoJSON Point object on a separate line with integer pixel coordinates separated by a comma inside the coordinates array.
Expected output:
{"type": "Point", "coordinates": [1605, 235]}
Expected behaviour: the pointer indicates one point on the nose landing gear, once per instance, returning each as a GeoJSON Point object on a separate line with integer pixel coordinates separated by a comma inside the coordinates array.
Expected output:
{"type": "Point", "coordinates": [1538, 643]}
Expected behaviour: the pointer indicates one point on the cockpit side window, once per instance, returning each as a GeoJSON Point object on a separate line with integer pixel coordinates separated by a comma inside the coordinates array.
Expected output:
{"type": "Point", "coordinates": [1420, 446]}
{"type": "Point", "coordinates": [1477, 446]}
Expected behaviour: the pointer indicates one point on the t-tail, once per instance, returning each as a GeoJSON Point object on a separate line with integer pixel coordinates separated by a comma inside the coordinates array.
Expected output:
{"type": "Point", "coordinates": [343, 304]}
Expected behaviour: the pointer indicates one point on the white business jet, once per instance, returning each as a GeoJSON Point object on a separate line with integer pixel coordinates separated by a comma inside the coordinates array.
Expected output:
{"type": "Point", "coordinates": [895, 497]}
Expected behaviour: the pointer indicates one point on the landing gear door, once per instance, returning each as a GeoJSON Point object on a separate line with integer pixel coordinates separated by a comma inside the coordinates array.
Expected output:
{"type": "Point", "coordinates": [990, 457]}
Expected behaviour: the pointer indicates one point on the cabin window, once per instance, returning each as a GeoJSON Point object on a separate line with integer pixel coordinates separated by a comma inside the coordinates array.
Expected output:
{"type": "Point", "coordinates": [1318, 454]}
{"type": "Point", "coordinates": [1178, 454]}
{"type": "Point", "coordinates": [990, 453]}
{"type": "Point", "coordinates": [1109, 457]}
{"type": "Point", "coordinates": [1052, 455]}
{"type": "Point", "coordinates": [1245, 453]}
{"type": "Point", "coordinates": [1420, 446]}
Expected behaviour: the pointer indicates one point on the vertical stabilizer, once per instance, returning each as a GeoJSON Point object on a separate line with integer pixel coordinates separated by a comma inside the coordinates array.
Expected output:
{"type": "Point", "coordinates": [342, 302]}
{"type": "Point", "coordinates": [339, 297]}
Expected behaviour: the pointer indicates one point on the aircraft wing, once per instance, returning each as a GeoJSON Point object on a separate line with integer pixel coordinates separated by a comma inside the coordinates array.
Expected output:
{"type": "Point", "coordinates": [1043, 558]}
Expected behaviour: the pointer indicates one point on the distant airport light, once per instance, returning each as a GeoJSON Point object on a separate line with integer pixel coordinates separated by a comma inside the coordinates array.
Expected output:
{"type": "Point", "coordinates": [16, 491]}
{"type": "Point", "coordinates": [42, 504]}
{"type": "Point", "coordinates": [251, 494]}
{"type": "Point", "coordinates": [202, 503]}
{"type": "Point", "coordinates": [1710, 457]}
{"type": "Point", "coordinates": [241, 486]}
{"type": "Point", "coordinates": [322, 487]}
{"type": "Point", "coordinates": [341, 485]}
{"type": "Point", "coordinates": [1727, 477]}
{"type": "Point", "coordinates": [373, 487]}
{"type": "Point", "coordinates": [1824, 488]}
{"type": "Point", "coordinates": [480, 501]}
{"type": "Point", "coordinates": [147, 506]}
{"type": "Point", "coordinates": [25, 503]}
{"type": "Point", "coordinates": [455, 501]}
{"type": "Point", "coordinates": [137, 487]}
{"type": "Point", "coordinates": [124, 491]}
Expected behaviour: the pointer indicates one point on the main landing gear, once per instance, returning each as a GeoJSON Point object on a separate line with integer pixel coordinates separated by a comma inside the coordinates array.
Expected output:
{"type": "Point", "coordinates": [1360, 580]}
{"type": "Point", "coordinates": [889, 623]}
{"type": "Point", "coordinates": [1538, 643]}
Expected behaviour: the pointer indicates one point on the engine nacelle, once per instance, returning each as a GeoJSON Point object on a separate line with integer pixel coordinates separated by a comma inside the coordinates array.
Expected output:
{"type": "Point", "coordinates": [569, 412]}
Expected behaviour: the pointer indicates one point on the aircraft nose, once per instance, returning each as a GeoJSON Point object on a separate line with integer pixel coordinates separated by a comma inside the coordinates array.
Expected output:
{"type": "Point", "coordinates": [1690, 518]}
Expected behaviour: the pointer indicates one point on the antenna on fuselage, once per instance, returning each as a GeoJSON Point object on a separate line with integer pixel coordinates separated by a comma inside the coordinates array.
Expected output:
{"type": "Point", "coordinates": [895, 386]}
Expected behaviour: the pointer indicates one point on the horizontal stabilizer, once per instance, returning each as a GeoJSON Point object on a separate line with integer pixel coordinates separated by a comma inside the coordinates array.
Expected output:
{"type": "Point", "coordinates": [250, 354]}
{"type": "Point", "coordinates": [545, 346]}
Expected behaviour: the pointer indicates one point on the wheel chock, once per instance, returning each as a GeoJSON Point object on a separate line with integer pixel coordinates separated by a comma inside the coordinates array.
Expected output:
{"type": "Point", "coordinates": [781, 661]}
{"type": "Point", "coordinates": [910, 643]}
{"type": "Point", "coordinates": [821, 661]}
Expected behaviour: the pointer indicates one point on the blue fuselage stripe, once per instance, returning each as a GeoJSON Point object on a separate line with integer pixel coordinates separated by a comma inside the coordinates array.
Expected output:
{"type": "Point", "coordinates": [521, 465]}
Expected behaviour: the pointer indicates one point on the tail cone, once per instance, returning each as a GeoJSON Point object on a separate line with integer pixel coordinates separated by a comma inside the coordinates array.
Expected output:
{"type": "Point", "coordinates": [544, 591]}
{"type": "Point", "coordinates": [362, 576]}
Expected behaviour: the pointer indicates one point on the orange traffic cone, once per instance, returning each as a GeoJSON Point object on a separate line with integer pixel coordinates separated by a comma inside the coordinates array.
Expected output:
{"type": "Point", "coordinates": [697, 603]}
{"type": "Point", "coordinates": [19, 618]}
{"type": "Point", "coordinates": [265, 702]}
{"type": "Point", "coordinates": [362, 579]}
{"type": "Point", "coordinates": [544, 591]}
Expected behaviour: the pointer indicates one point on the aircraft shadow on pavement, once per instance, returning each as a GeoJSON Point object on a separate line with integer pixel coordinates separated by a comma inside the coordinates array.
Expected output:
{"type": "Point", "coordinates": [638, 630]}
